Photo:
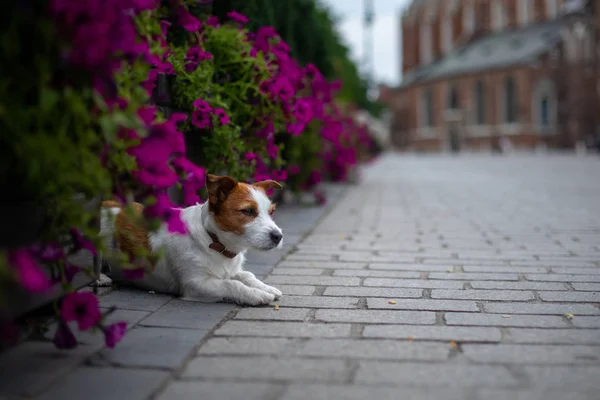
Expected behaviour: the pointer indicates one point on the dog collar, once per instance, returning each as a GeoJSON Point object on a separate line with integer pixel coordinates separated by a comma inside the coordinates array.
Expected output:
{"type": "Point", "coordinates": [220, 247]}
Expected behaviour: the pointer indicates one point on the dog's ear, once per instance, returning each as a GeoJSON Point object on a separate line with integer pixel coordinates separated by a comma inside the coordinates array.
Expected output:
{"type": "Point", "coordinates": [267, 185]}
{"type": "Point", "coordinates": [219, 187]}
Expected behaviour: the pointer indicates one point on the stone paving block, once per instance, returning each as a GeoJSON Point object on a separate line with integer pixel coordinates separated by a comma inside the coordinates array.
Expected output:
{"type": "Point", "coordinates": [504, 295]}
{"type": "Point", "coordinates": [588, 287]}
{"type": "Point", "coordinates": [376, 316]}
{"type": "Point", "coordinates": [260, 270]}
{"type": "Point", "coordinates": [523, 354]}
{"type": "Point", "coordinates": [282, 329]}
{"type": "Point", "coordinates": [312, 280]}
{"type": "Point", "coordinates": [443, 333]}
{"type": "Point", "coordinates": [432, 375]}
{"type": "Point", "coordinates": [106, 383]}
{"type": "Point", "coordinates": [570, 270]}
{"type": "Point", "coordinates": [194, 390]}
{"type": "Point", "coordinates": [268, 369]}
{"type": "Point", "coordinates": [373, 292]}
{"type": "Point", "coordinates": [296, 290]}
{"type": "Point", "coordinates": [249, 346]}
{"type": "Point", "coordinates": [534, 394]}
{"type": "Point", "coordinates": [474, 276]}
{"type": "Point", "coordinates": [321, 264]}
{"type": "Point", "coordinates": [372, 258]}
{"type": "Point", "coordinates": [152, 347]}
{"type": "Point", "coordinates": [563, 278]}
{"type": "Point", "coordinates": [371, 273]}
{"type": "Point", "coordinates": [504, 285]}
{"type": "Point", "coordinates": [580, 378]}
{"type": "Point", "coordinates": [410, 267]}
{"type": "Point", "coordinates": [372, 349]}
{"type": "Point", "coordinates": [297, 271]}
{"type": "Point", "coordinates": [586, 322]}
{"type": "Point", "coordinates": [133, 299]}
{"type": "Point", "coordinates": [556, 263]}
{"type": "Point", "coordinates": [550, 309]}
{"type": "Point", "coordinates": [423, 304]}
{"type": "Point", "coordinates": [271, 314]}
{"type": "Point", "coordinates": [318, 302]}
{"type": "Point", "coordinates": [452, 261]}
{"type": "Point", "coordinates": [313, 257]}
{"type": "Point", "coordinates": [188, 314]}
{"type": "Point", "coordinates": [32, 367]}
{"type": "Point", "coordinates": [572, 297]}
{"type": "Point", "coordinates": [553, 336]}
{"type": "Point", "coordinates": [413, 283]}
{"type": "Point", "coordinates": [504, 269]}
{"type": "Point", "coordinates": [357, 392]}
{"type": "Point", "coordinates": [528, 321]}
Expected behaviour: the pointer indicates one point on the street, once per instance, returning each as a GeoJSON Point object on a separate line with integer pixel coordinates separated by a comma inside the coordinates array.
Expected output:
{"type": "Point", "coordinates": [469, 277]}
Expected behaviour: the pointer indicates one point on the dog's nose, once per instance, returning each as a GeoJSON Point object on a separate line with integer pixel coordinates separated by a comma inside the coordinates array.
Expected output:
{"type": "Point", "coordinates": [276, 236]}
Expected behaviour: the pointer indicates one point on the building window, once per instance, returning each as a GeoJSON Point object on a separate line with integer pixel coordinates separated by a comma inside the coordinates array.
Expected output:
{"type": "Point", "coordinates": [498, 15]}
{"type": "Point", "coordinates": [479, 103]}
{"type": "Point", "coordinates": [524, 7]}
{"type": "Point", "coordinates": [469, 17]}
{"type": "Point", "coordinates": [428, 119]}
{"type": "Point", "coordinates": [453, 101]}
{"type": "Point", "coordinates": [447, 33]}
{"type": "Point", "coordinates": [545, 112]}
{"type": "Point", "coordinates": [510, 101]}
{"type": "Point", "coordinates": [426, 43]}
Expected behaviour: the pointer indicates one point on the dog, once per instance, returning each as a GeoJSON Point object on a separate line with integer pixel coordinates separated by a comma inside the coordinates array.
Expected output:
{"type": "Point", "coordinates": [207, 263]}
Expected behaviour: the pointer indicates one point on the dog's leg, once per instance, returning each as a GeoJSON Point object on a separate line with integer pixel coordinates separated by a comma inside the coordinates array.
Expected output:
{"type": "Point", "coordinates": [249, 279]}
{"type": "Point", "coordinates": [211, 290]}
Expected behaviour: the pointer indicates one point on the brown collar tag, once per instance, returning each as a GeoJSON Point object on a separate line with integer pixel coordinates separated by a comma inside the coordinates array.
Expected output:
{"type": "Point", "coordinates": [219, 247]}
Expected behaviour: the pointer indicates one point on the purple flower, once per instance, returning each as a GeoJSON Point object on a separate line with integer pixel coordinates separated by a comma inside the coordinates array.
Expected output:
{"type": "Point", "coordinates": [294, 169]}
{"type": "Point", "coordinates": [82, 243]}
{"type": "Point", "coordinates": [202, 105]}
{"type": "Point", "coordinates": [237, 17]}
{"type": "Point", "coordinates": [29, 273]}
{"type": "Point", "coordinates": [213, 21]}
{"type": "Point", "coordinates": [295, 128]}
{"type": "Point", "coordinates": [160, 176]}
{"type": "Point", "coordinates": [142, 5]}
{"type": "Point", "coordinates": [159, 207]}
{"type": "Point", "coordinates": [187, 20]}
{"type": "Point", "coordinates": [223, 117]}
{"type": "Point", "coordinates": [200, 120]}
{"type": "Point", "coordinates": [194, 56]}
{"type": "Point", "coordinates": [250, 156]}
{"type": "Point", "coordinates": [320, 198]}
{"type": "Point", "coordinates": [272, 149]}
{"type": "Point", "coordinates": [114, 333]}
{"type": "Point", "coordinates": [174, 222]}
{"type": "Point", "coordinates": [282, 89]}
{"type": "Point", "coordinates": [50, 252]}
{"type": "Point", "coordinates": [164, 26]}
{"type": "Point", "coordinates": [303, 111]}
{"type": "Point", "coordinates": [64, 338]}
{"type": "Point", "coordinates": [81, 307]}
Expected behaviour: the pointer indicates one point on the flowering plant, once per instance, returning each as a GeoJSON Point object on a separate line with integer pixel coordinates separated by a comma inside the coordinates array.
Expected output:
{"type": "Point", "coordinates": [86, 128]}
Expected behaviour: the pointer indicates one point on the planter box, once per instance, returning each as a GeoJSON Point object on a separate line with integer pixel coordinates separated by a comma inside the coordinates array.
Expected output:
{"type": "Point", "coordinates": [20, 301]}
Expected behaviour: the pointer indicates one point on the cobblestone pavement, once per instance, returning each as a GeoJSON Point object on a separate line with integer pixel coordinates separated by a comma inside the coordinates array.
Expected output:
{"type": "Point", "coordinates": [466, 278]}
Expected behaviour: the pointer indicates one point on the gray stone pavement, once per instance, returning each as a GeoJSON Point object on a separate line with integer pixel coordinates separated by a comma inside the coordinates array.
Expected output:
{"type": "Point", "coordinates": [471, 277]}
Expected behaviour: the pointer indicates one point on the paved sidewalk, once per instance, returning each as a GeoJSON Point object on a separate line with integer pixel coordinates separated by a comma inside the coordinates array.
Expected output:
{"type": "Point", "coordinates": [472, 277]}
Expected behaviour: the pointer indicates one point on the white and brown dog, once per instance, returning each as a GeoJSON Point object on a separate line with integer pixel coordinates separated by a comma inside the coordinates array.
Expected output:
{"type": "Point", "coordinates": [207, 263]}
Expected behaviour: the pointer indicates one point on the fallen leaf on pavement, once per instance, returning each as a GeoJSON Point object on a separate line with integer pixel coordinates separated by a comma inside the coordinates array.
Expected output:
{"type": "Point", "coordinates": [453, 344]}
{"type": "Point", "coordinates": [568, 316]}
{"type": "Point", "coordinates": [507, 316]}
{"type": "Point", "coordinates": [392, 301]}
{"type": "Point", "coordinates": [276, 307]}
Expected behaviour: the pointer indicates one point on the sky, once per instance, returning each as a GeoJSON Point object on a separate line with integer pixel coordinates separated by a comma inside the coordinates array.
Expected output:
{"type": "Point", "coordinates": [386, 34]}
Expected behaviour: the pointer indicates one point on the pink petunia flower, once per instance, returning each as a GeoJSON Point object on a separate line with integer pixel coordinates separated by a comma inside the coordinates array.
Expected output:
{"type": "Point", "coordinates": [114, 333]}
{"type": "Point", "coordinates": [29, 274]}
{"type": "Point", "coordinates": [64, 338]}
{"type": "Point", "coordinates": [223, 117]}
{"type": "Point", "coordinates": [81, 307]}
{"type": "Point", "coordinates": [237, 17]}
{"type": "Point", "coordinates": [187, 20]}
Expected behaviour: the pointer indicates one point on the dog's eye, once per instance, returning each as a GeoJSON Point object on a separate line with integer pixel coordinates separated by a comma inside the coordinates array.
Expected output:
{"type": "Point", "coordinates": [248, 211]}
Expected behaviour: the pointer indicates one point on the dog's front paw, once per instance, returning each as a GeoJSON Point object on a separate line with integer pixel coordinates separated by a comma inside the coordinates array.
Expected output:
{"type": "Point", "coordinates": [103, 281]}
{"type": "Point", "coordinates": [274, 291]}
{"type": "Point", "coordinates": [257, 297]}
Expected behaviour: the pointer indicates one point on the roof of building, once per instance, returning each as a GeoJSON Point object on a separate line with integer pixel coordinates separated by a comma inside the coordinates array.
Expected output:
{"type": "Point", "coordinates": [496, 50]}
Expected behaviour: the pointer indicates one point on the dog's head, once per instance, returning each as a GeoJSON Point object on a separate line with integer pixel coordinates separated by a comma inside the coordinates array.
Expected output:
{"type": "Point", "coordinates": [245, 210]}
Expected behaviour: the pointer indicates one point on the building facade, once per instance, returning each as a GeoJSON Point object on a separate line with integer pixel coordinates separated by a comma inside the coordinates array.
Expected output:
{"type": "Point", "coordinates": [479, 73]}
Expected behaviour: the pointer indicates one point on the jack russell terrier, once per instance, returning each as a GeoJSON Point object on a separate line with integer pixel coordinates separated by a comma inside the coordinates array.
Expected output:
{"type": "Point", "coordinates": [207, 263]}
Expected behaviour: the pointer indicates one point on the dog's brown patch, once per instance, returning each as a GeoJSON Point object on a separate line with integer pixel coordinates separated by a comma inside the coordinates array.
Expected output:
{"type": "Point", "coordinates": [130, 230]}
{"type": "Point", "coordinates": [231, 203]}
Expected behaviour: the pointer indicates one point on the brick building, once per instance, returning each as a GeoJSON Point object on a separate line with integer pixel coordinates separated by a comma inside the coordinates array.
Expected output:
{"type": "Point", "coordinates": [479, 72]}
